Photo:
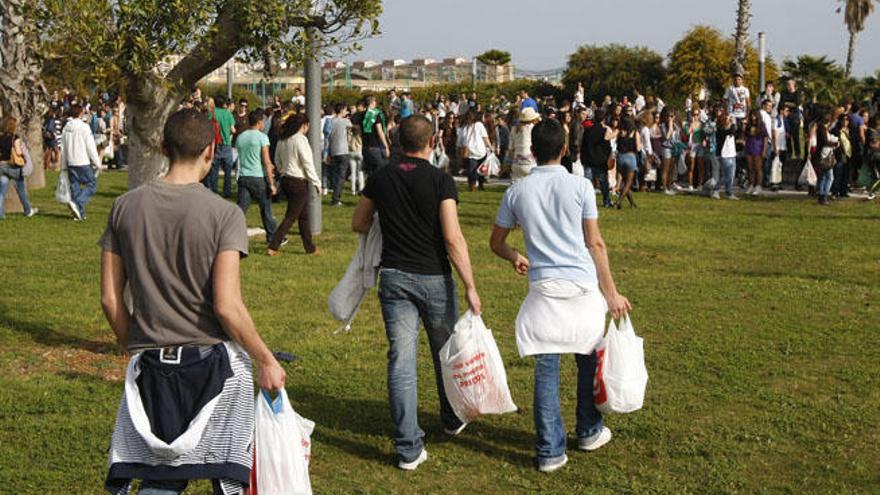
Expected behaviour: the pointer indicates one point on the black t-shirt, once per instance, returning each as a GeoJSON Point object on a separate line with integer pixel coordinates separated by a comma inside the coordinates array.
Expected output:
{"type": "Point", "coordinates": [407, 194]}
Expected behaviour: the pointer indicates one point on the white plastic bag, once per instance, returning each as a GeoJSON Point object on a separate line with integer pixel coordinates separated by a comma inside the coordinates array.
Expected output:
{"type": "Point", "coordinates": [577, 168]}
{"type": "Point", "coordinates": [808, 175]}
{"type": "Point", "coordinates": [682, 166]}
{"type": "Point", "coordinates": [491, 166]}
{"type": "Point", "coordinates": [62, 190]}
{"type": "Point", "coordinates": [621, 377]}
{"type": "Point", "coordinates": [776, 171]}
{"type": "Point", "coordinates": [473, 372]}
{"type": "Point", "coordinates": [282, 443]}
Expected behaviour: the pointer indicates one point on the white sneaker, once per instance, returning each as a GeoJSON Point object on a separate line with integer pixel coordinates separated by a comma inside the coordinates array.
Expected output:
{"type": "Point", "coordinates": [690, 189]}
{"type": "Point", "coordinates": [756, 191]}
{"type": "Point", "coordinates": [715, 195]}
{"type": "Point", "coordinates": [676, 187]}
{"type": "Point", "coordinates": [75, 210]}
{"type": "Point", "coordinates": [412, 465]}
{"type": "Point", "coordinates": [750, 190]}
{"type": "Point", "coordinates": [733, 197]}
{"type": "Point", "coordinates": [549, 468]}
{"type": "Point", "coordinates": [456, 431]}
{"type": "Point", "coordinates": [33, 212]}
{"type": "Point", "coordinates": [669, 192]}
{"type": "Point", "coordinates": [596, 441]}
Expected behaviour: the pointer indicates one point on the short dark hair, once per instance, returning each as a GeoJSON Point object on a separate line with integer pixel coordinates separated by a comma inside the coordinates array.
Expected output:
{"type": "Point", "coordinates": [242, 100]}
{"type": "Point", "coordinates": [415, 133]}
{"type": "Point", "coordinates": [255, 116]}
{"type": "Point", "coordinates": [548, 140]}
{"type": "Point", "coordinates": [186, 134]}
{"type": "Point", "coordinates": [75, 110]}
{"type": "Point", "coordinates": [340, 107]}
{"type": "Point", "coordinates": [220, 101]}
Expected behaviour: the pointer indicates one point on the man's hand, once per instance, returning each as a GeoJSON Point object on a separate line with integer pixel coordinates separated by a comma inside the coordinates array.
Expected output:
{"type": "Point", "coordinates": [473, 300]}
{"type": "Point", "coordinates": [319, 189]}
{"type": "Point", "coordinates": [273, 190]}
{"type": "Point", "coordinates": [272, 376]}
{"type": "Point", "coordinates": [618, 305]}
{"type": "Point", "coordinates": [520, 264]}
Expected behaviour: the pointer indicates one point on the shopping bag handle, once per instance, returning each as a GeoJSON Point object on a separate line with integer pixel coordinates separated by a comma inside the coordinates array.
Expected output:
{"type": "Point", "coordinates": [276, 404]}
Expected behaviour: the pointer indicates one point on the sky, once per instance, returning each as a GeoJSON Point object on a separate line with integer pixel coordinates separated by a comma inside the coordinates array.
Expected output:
{"type": "Point", "coordinates": [541, 34]}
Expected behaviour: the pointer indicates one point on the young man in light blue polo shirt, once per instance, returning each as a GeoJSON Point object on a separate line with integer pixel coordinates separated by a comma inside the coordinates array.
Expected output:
{"type": "Point", "coordinates": [564, 311]}
{"type": "Point", "coordinates": [255, 180]}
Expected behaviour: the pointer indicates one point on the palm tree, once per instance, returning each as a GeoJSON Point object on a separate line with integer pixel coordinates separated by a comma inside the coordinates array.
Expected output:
{"type": "Point", "coordinates": [743, 18]}
{"type": "Point", "coordinates": [854, 15]}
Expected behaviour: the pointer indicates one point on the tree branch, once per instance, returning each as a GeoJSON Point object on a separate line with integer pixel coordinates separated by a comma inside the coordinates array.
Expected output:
{"type": "Point", "coordinates": [220, 43]}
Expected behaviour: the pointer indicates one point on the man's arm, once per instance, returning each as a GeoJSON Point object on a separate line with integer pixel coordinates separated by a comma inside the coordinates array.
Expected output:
{"type": "Point", "coordinates": [234, 316]}
{"type": "Point", "coordinates": [456, 246]}
{"type": "Point", "coordinates": [498, 243]}
{"type": "Point", "coordinates": [363, 216]}
{"type": "Point", "coordinates": [269, 169]}
{"type": "Point", "coordinates": [113, 280]}
{"type": "Point", "coordinates": [617, 304]}
{"type": "Point", "coordinates": [92, 150]}
{"type": "Point", "coordinates": [380, 131]}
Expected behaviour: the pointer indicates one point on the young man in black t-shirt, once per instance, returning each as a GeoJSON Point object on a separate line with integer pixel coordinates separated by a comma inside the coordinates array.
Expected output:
{"type": "Point", "coordinates": [417, 205]}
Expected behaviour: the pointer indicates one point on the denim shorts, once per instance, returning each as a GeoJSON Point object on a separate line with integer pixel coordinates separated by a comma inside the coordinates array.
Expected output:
{"type": "Point", "coordinates": [666, 153]}
{"type": "Point", "coordinates": [627, 162]}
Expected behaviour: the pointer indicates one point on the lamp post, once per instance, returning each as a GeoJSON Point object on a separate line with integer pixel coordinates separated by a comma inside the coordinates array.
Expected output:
{"type": "Point", "coordinates": [313, 112]}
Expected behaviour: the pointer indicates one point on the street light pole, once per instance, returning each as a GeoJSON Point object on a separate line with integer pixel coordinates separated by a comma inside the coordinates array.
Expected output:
{"type": "Point", "coordinates": [313, 112]}
{"type": "Point", "coordinates": [762, 59]}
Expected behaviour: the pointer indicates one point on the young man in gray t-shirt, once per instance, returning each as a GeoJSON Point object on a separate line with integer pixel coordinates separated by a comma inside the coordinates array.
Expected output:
{"type": "Point", "coordinates": [178, 247]}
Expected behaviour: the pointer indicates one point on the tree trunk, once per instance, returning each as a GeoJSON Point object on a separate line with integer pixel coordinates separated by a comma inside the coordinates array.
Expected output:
{"type": "Point", "coordinates": [743, 18]}
{"type": "Point", "coordinates": [149, 105]}
{"type": "Point", "coordinates": [850, 52]}
{"type": "Point", "coordinates": [22, 92]}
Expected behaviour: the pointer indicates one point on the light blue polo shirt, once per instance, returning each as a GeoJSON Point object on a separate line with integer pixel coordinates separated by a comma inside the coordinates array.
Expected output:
{"type": "Point", "coordinates": [550, 204]}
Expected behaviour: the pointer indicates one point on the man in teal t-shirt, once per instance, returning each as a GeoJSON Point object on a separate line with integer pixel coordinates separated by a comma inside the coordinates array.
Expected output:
{"type": "Point", "coordinates": [223, 152]}
{"type": "Point", "coordinates": [256, 172]}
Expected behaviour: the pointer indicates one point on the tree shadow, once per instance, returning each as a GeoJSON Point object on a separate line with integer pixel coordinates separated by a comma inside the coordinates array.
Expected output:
{"type": "Point", "coordinates": [43, 334]}
{"type": "Point", "coordinates": [337, 415]}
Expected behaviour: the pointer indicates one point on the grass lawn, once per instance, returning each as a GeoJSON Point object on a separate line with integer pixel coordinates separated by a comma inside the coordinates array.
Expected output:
{"type": "Point", "coordinates": [760, 320]}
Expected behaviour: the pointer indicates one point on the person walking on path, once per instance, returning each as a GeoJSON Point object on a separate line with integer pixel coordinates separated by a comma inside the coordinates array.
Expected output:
{"type": "Point", "coordinates": [564, 312]}
{"type": "Point", "coordinates": [223, 154]}
{"type": "Point", "coordinates": [256, 178]}
{"type": "Point", "coordinates": [79, 156]}
{"type": "Point", "coordinates": [417, 206]}
{"type": "Point", "coordinates": [192, 340]}
{"type": "Point", "coordinates": [376, 147]}
{"type": "Point", "coordinates": [340, 154]}
{"type": "Point", "coordinates": [296, 164]}
{"type": "Point", "coordinates": [13, 159]}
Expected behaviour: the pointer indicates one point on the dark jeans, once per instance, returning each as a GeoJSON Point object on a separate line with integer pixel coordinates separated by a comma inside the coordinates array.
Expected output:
{"type": "Point", "coordinates": [794, 134]}
{"type": "Point", "coordinates": [841, 179]}
{"type": "Point", "coordinates": [407, 298]}
{"type": "Point", "coordinates": [222, 159]}
{"type": "Point", "coordinates": [374, 159]}
{"type": "Point", "coordinates": [338, 171]}
{"type": "Point", "coordinates": [473, 165]}
{"type": "Point", "coordinates": [550, 445]}
{"type": "Point", "coordinates": [297, 192]}
{"type": "Point", "coordinates": [83, 185]}
{"type": "Point", "coordinates": [602, 174]}
{"type": "Point", "coordinates": [254, 188]}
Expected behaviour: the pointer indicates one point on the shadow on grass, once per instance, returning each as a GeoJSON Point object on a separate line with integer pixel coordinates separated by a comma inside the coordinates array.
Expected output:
{"type": "Point", "coordinates": [337, 416]}
{"type": "Point", "coordinates": [42, 334]}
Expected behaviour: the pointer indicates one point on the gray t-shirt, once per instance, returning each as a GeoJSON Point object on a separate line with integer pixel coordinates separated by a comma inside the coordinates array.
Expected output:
{"type": "Point", "coordinates": [339, 136]}
{"type": "Point", "coordinates": [168, 237]}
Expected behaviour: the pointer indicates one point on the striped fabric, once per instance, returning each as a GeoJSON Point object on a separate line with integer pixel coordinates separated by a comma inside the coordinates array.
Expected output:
{"type": "Point", "coordinates": [224, 453]}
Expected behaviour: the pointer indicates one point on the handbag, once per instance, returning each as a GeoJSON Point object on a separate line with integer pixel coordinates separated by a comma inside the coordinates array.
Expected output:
{"type": "Point", "coordinates": [17, 158]}
{"type": "Point", "coordinates": [826, 158]}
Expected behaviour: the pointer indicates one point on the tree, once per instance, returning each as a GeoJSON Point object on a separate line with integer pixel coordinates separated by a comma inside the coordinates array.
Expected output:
{"type": "Point", "coordinates": [614, 70]}
{"type": "Point", "coordinates": [124, 48]}
{"type": "Point", "coordinates": [854, 15]}
{"type": "Point", "coordinates": [494, 57]}
{"type": "Point", "coordinates": [820, 79]}
{"type": "Point", "coordinates": [22, 92]}
{"type": "Point", "coordinates": [698, 61]}
{"type": "Point", "coordinates": [741, 35]}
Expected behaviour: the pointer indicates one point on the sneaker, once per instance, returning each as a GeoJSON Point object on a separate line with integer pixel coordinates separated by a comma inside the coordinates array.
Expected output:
{"type": "Point", "coordinates": [336, 203]}
{"type": "Point", "coordinates": [750, 190]}
{"type": "Point", "coordinates": [284, 241]}
{"type": "Point", "coordinates": [596, 441]}
{"type": "Point", "coordinates": [715, 195]}
{"type": "Point", "coordinates": [870, 197]}
{"type": "Point", "coordinates": [669, 192]}
{"type": "Point", "coordinates": [553, 466]}
{"type": "Point", "coordinates": [733, 197]}
{"type": "Point", "coordinates": [75, 210]}
{"type": "Point", "coordinates": [756, 191]}
{"type": "Point", "coordinates": [412, 465]}
{"type": "Point", "coordinates": [690, 189]}
{"type": "Point", "coordinates": [33, 212]}
{"type": "Point", "coordinates": [456, 431]}
{"type": "Point", "coordinates": [676, 187]}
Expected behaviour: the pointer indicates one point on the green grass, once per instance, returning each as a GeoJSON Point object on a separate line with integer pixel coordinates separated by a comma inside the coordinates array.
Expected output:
{"type": "Point", "coordinates": [760, 321]}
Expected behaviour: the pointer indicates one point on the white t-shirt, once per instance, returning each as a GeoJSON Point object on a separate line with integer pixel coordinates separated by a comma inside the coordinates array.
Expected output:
{"type": "Point", "coordinates": [474, 139]}
{"type": "Point", "coordinates": [299, 100]}
{"type": "Point", "coordinates": [779, 132]}
{"type": "Point", "coordinates": [640, 103]}
{"type": "Point", "coordinates": [737, 99]}
{"type": "Point", "coordinates": [768, 122]}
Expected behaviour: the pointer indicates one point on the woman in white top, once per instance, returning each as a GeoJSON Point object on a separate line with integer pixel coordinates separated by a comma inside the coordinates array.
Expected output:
{"type": "Point", "coordinates": [523, 160]}
{"type": "Point", "coordinates": [293, 156]}
{"type": "Point", "coordinates": [476, 146]}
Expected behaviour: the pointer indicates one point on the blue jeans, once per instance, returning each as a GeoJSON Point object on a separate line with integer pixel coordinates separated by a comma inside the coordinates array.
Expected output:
{"type": "Point", "coordinates": [840, 183]}
{"type": "Point", "coordinates": [473, 165]}
{"type": "Point", "coordinates": [254, 188]}
{"type": "Point", "coordinates": [15, 174]}
{"type": "Point", "coordinates": [222, 159]}
{"type": "Point", "coordinates": [550, 445]}
{"type": "Point", "coordinates": [826, 179]}
{"type": "Point", "coordinates": [727, 172]}
{"type": "Point", "coordinates": [83, 185]}
{"type": "Point", "coordinates": [602, 174]}
{"type": "Point", "coordinates": [407, 298]}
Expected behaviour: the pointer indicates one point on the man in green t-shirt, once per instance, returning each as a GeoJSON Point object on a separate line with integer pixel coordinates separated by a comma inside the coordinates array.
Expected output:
{"type": "Point", "coordinates": [256, 172]}
{"type": "Point", "coordinates": [223, 150]}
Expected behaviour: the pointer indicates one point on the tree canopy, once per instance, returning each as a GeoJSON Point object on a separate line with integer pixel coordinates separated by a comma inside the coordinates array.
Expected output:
{"type": "Point", "coordinates": [494, 57]}
{"type": "Point", "coordinates": [614, 70]}
{"type": "Point", "coordinates": [819, 78]}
